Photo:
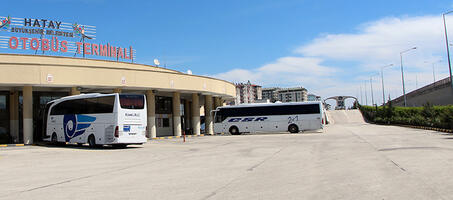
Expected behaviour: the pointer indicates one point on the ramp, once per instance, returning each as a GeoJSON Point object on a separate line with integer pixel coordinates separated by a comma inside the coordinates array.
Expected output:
{"type": "Point", "coordinates": [344, 116]}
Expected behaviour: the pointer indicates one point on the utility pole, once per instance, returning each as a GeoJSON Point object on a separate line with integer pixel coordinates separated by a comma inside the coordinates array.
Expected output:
{"type": "Point", "coordinates": [382, 81]}
{"type": "Point", "coordinates": [372, 96]}
{"type": "Point", "coordinates": [402, 74]}
{"type": "Point", "coordinates": [448, 49]}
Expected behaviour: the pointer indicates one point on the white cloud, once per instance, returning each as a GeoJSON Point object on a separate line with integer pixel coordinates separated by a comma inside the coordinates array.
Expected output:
{"type": "Point", "coordinates": [375, 44]}
{"type": "Point", "coordinates": [379, 41]}
{"type": "Point", "coordinates": [286, 71]}
{"type": "Point", "coordinates": [239, 75]}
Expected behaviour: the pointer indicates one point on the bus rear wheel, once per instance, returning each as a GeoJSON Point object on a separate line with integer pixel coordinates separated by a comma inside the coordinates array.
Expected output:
{"type": "Point", "coordinates": [54, 139]}
{"type": "Point", "coordinates": [91, 141]}
{"type": "Point", "coordinates": [234, 130]}
{"type": "Point", "coordinates": [293, 128]}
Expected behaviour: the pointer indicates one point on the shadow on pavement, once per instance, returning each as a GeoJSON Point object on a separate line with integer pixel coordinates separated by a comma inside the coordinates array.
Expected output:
{"type": "Point", "coordinates": [86, 147]}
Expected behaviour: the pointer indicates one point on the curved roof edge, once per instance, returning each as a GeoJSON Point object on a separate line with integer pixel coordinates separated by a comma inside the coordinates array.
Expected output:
{"type": "Point", "coordinates": [164, 70]}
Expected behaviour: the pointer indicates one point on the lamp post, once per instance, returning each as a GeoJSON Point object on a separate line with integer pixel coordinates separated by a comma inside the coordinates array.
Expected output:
{"type": "Point", "coordinates": [382, 81]}
{"type": "Point", "coordinates": [434, 66]}
{"type": "Point", "coordinates": [434, 76]}
{"type": "Point", "coordinates": [371, 85]}
{"type": "Point", "coordinates": [402, 73]}
{"type": "Point", "coordinates": [366, 96]}
{"type": "Point", "coordinates": [448, 49]}
{"type": "Point", "coordinates": [361, 96]}
{"type": "Point", "coordinates": [416, 81]}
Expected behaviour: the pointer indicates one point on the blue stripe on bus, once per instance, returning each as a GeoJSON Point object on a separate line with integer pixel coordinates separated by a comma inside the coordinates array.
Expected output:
{"type": "Point", "coordinates": [85, 118]}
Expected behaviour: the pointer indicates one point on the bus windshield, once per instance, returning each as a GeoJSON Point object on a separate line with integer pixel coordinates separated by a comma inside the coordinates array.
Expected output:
{"type": "Point", "coordinates": [218, 118]}
{"type": "Point", "coordinates": [132, 101]}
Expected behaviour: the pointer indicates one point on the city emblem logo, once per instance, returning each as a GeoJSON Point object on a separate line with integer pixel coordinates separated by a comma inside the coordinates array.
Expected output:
{"type": "Point", "coordinates": [4, 23]}
{"type": "Point", "coordinates": [79, 30]}
{"type": "Point", "coordinates": [75, 125]}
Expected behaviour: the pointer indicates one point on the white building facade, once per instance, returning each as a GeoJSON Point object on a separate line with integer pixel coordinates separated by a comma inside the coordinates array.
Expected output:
{"type": "Point", "coordinates": [296, 94]}
{"type": "Point", "coordinates": [247, 93]}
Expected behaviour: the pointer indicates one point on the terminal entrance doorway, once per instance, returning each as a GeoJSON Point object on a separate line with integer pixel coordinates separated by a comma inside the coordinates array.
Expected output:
{"type": "Point", "coordinates": [4, 118]}
{"type": "Point", "coordinates": [40, 99]}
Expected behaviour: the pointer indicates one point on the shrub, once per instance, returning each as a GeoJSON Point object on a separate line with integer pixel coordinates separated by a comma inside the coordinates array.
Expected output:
{"type": "Point", "coordinates": [428, 115]}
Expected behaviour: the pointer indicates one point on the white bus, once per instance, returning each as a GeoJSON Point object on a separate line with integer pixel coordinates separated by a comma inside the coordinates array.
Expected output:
{"type": "Point", "coordinates": [97, 119]}
{"type": "Point", "coordinates": [269, 117]}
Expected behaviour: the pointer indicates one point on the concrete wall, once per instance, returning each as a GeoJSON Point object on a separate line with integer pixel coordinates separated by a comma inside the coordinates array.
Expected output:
{"type": "Point", "coordinates": [439, 93]}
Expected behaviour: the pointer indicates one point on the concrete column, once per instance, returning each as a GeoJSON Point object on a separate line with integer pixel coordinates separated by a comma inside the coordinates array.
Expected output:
{"type": "Point", "coordinates": [27, 93]}
{"type": "Point", "coordinates": [195, 114]}
{"type": "Point", "coordinates": [207, 115]}
{"type": "Point", "coordinates": [217, 102]}
{"type": "Point", "coordinates": [117, 90]}
{"type": "Point", "coordinates": [176, 114]}
{"type": "Point", "coordinates": [186, 114]}
{"type": "Point", "coordinates": [75, 91]}
{"type": "Point", "coordinates": [151, 109]}
{"type": "Point", "coordinates": [14, 116]}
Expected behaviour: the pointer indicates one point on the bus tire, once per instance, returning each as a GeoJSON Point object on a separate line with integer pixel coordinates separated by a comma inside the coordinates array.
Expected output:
{"type": "Point", "coordinates": [92, 141]}
{"type": "Point", "coordinates": [54, 139]}
{"type": "Point", "coordinates": [234, 130]}
{"type": "Point", "coordinates": [293, 128]}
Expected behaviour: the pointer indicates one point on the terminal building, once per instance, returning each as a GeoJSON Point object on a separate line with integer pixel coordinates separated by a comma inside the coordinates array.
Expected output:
{"type": "Point", "coordinates": [174, 99]}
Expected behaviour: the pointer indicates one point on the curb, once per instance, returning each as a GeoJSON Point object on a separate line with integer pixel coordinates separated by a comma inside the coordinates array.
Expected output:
{"type": "Point", "coordinates": [13, 145]}
{"type": "Point", "coordinates": [429, 128]}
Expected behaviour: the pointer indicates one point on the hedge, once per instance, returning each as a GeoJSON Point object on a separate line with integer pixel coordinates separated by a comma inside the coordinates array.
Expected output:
{"type": "Point", "coordinates": [428, 115]}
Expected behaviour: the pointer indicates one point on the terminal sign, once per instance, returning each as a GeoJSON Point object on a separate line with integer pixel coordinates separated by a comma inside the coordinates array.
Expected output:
{"type": "Point", "coordinates": [60, 38]}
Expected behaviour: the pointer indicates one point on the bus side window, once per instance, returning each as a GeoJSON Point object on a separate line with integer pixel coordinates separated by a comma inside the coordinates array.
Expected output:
{"type": "Point", "coordinates": [105, 104]}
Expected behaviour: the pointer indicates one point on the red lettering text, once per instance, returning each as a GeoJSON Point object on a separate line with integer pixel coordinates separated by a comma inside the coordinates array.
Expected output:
{"type": "Point", "coordinates": [78, 46]}
{"type": "Point", "coordinates": [64, 46]}
{"type": "Point", "coordinates": [45, 44]}
{"type": "Point", "coordinates": [103, 49]}
{"type": "Point", "coordinates": [54, 43]}
{"type": "Point", "coordinates": [95, 49]}
{"type": "Point", "coordinates": [113, 51]}
{"type": "Point", "coordinates": [35, 40]}
{"type": "Point", "coordinates": [86, 49]}
{"type": "Point", "coordinates": [24, 42]}
{"type": "Point", "coordinates": [120, 53]}
{"type": "Point", "coordinates": [16, 42]}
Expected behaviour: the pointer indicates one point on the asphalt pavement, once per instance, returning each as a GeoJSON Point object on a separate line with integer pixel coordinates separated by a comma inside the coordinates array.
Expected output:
{"type": "Point", "coordinates": [352, 160]}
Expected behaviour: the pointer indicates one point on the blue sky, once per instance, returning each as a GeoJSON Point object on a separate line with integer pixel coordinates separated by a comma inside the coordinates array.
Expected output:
{"type": "Point", "coordinates": [272, 43]}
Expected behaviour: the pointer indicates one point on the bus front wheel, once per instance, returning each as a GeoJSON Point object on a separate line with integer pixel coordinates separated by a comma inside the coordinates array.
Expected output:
{"type": "Point", "coordinates": [293, 128]}
{"type": "Point", "coordinates": [91, 141]}
{"type": "Point", "coordinates": [234, 130]}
